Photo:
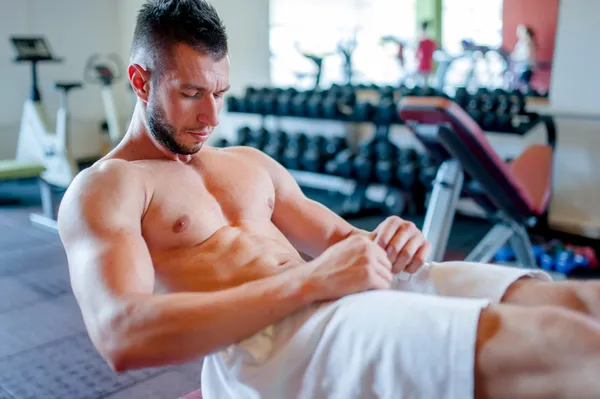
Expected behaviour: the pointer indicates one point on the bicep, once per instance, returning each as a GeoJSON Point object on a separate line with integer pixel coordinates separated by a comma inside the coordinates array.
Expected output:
{"type": "Point", "coordinates": [101, 233]}
{"type": "Point", "coordinates": [110, 266]}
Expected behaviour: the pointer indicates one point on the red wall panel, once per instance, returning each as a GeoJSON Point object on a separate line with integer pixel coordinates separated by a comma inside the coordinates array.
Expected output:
{"type": "Point", "coordinates": [542, 17]}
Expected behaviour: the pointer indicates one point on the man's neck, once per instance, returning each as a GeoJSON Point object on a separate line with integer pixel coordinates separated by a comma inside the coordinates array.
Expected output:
{"type": "Point", "coordinates": [138, 143]}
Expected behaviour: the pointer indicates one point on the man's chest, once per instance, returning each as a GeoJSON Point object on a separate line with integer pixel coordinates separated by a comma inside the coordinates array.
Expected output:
{"type": "Point", "coordinates": [190, 204]}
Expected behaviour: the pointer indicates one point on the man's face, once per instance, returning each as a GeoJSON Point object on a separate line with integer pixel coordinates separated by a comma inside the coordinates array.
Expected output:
{"type": "Point", "coordinates": [184, 105]}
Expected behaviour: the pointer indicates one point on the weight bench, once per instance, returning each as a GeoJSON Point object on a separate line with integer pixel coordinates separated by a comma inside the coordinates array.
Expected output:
{"type": "Point", "coordinates": [16, 170]}
{"type": "Point", "coordinates": [514, 196]}
{"type": "Point", "coordinates": [13, 170]}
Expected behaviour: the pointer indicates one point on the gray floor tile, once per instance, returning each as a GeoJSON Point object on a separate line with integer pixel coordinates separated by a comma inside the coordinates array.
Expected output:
{"type": "Point", "coordinates": [191, 371]}
{"type": "Point", "coordinates": [14, 294]}
{"type": "Point", "coordinates": [11, 237]}
{"type": "Point", "coordinates": [20, 261]}
{"type": "Point", "coordinates": [5, 395]}
{"type": "Point", "coordinates": [169, 385]}
{"type": "Point", "coordinates": [38, 324]}
{"type": "Point", "coordinates": [70, 368]}
{"type": "Point", "coordinates": [50, 282]}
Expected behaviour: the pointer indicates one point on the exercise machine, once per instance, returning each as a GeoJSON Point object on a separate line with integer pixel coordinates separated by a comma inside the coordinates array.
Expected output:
{"type": "Point", "coordinates": [515, 196]}
{"type": "Point", "coordinates": [38, 143]}
{"type": "Point", "coordinates": [106, 71]}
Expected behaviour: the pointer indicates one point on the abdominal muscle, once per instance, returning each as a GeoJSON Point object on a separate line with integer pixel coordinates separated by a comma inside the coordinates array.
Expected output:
{"type": "Point", "coordinates": [235, 254]}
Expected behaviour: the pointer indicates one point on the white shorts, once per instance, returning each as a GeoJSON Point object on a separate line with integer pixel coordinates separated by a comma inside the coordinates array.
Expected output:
{"type": "Point", "coordinates": [415, 341]}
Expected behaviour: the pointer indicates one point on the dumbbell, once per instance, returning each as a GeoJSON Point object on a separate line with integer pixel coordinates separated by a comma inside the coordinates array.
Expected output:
{"type": "Point", "coordinates": [504, 123]}
{"type": "Point", "coordinates": [312, 158]}
{"type": "Point", "coordinates": [254, 103]}
{"type": "Point", "coordinates": [363, 169]}
{"type": "Point", "coordinates": [385, 171]}
{"type": "Point", "coordinates": [314, 106]}
{"type": "Point", "coordinates": [386, 93]}
{"type": "Point", "coordinates": [428, 92]}
{"type": "Point", "coordinates": [222, 143]}
{"type": "Point", "coordinates": [386, 112]}
{"type": "Point", "coordinates": [233, 104]}
{"type": "Point", "coordinates": [461, 97]}
{"type": "Point", "coordinates": [290, 158]}
{"type": "Point", "coordinates": [259, 137]}
{"type": "Point", "coordinates": [362, 112]}
{"type": "Point", "coordinates": [243, 135]}
{"type": "Point", "coordinates": [395, 201]}
{"type": "Point", "coordinates": [406, 176]}
{"type": "Point", "coordinates": [300, 104]}
{"type": "Point", "coordinates": [517, 100]}
{"type": "Point", "coordinates": [285, 101]}
{"type": "Point", "coordinates": [333, 146]}
{"type": "Point", "coordinates": [330, 107]}
{"type": "Point", "coordinates": [341, 164]}
{"type": "Point", "coordinates": [274, 145]}
{"type": "Point", "coordinates": [427, 171]}
{"type": "Point", "coordinates": [407, 155]}
{"type": "Point", "coordinates": [476, 114]}
{"type": "Point", "coordinates": [403, 90]}
{"type": "Point", "coordinates": [348, 97]}
{"type": "Point", "coordinates": [269, 105]}
{"type": "Point", "coordinates": [489, 122]}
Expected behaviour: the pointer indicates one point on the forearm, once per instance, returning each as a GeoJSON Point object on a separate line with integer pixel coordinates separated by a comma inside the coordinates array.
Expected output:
{"type": "Point", "coordinates": [159, 330]}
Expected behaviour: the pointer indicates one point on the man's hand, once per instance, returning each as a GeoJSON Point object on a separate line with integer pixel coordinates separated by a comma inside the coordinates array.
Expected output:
{"type": "Point", "coordinates": [404, 244]}
{"type": "Point", "coordinates": [353, 265]}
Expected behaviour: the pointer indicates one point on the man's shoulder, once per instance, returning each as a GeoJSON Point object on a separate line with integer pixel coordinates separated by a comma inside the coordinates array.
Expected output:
{"type": "Point", "coordinates": [245, 151]}
{"type": "Point", "coordinates": [108, 186]}
{"type": "Point", "coordinates": [251, 157]}
{"type": "Point", "coordinates": [106, 171]}
{"type": "Point", "coordinates": [106, 178]}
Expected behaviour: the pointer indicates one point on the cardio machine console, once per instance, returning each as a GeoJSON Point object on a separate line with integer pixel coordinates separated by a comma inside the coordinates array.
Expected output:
{"type": "Point", "coordinates": [32, 49]}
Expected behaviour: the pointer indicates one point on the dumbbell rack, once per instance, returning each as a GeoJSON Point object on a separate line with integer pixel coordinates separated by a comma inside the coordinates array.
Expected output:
{"type": "Point", "coordinates": [341, 104]}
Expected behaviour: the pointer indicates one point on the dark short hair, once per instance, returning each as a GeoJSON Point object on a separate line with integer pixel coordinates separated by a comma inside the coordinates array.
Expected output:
{"type": "Point", "coordinates": [162, 24]}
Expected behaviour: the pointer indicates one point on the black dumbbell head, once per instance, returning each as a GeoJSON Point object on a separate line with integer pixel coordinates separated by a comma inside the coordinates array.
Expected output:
{"type": "Point", "coordinates": [243, 135]}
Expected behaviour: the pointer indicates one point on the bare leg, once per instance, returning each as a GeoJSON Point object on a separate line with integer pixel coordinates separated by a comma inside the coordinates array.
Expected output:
{"type": "Point", "coordinates": [581, 296]}
{"type": "Point", "coordinates": [543, 352]}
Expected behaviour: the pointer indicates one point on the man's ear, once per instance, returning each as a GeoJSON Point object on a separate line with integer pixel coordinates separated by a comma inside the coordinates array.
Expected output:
{"type": "Point", "coordinates": [140, 81]}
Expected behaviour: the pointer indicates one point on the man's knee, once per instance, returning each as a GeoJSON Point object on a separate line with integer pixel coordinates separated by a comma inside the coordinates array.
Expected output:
{"type": "Point", "coordinates": [517, 347]}
{"type": "Point", "coordinates": [580, 296]}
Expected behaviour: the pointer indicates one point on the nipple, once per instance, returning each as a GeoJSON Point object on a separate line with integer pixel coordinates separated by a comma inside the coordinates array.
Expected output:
{"type": "Point", "coordinates": [181, 224]}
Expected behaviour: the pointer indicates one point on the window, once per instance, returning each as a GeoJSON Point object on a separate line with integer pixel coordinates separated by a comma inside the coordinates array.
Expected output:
{"type": "Point", "coordinates": [479, 22]}
{"type": "Point", "coordinates": [319, 26]}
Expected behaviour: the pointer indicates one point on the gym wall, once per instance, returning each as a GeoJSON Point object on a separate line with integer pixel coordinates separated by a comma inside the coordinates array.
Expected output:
{"type": "Point", "coordinates": [542, 17]}
{"type": "Point", "coordinates": [76, 29]}
{"type": "Point", "coordinates": [575, 79]}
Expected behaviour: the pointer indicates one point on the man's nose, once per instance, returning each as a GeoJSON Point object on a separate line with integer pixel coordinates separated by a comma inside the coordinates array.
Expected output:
{"type": "Point", "coordinates": [209, 111]}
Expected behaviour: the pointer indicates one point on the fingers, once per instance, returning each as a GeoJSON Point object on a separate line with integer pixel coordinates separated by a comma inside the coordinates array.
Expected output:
{"type": "Point", "coordinates": [406, 256]}
{"type": "Point", "coordinates": [419, 259]}
{"type": "Point", "coordinates": [380, 278]}
{"type": "Point", "coordinates": [404, 234]}
{"type": "Point", "coordinates": [386, 231]}
{"type": "Point", "coordinates": [384, 269]}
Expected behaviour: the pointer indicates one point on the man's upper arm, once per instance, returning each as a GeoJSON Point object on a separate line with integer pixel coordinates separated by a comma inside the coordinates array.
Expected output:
{"type": "Point", "coordinates": [100, 227]}
{"type": "Point", "coordinates": [310, 226]}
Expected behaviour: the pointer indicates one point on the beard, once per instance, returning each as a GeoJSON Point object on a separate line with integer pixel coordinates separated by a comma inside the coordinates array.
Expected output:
{"type": "Point", "coordinates": [164, 132]}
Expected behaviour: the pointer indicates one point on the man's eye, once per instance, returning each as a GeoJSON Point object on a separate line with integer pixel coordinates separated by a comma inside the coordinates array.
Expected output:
{"type": "Point", "coordinates": [218, 95]}
{"type": "Point", "coordinates": [191, 95]}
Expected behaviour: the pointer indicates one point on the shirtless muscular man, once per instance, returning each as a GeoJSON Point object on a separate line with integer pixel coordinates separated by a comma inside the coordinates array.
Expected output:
{"type": "Point", "coordinates": [178, 251]}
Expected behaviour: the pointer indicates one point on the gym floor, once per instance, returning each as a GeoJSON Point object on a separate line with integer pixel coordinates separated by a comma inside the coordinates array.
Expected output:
{"type": "Point", "coordinates": [44, 349]}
